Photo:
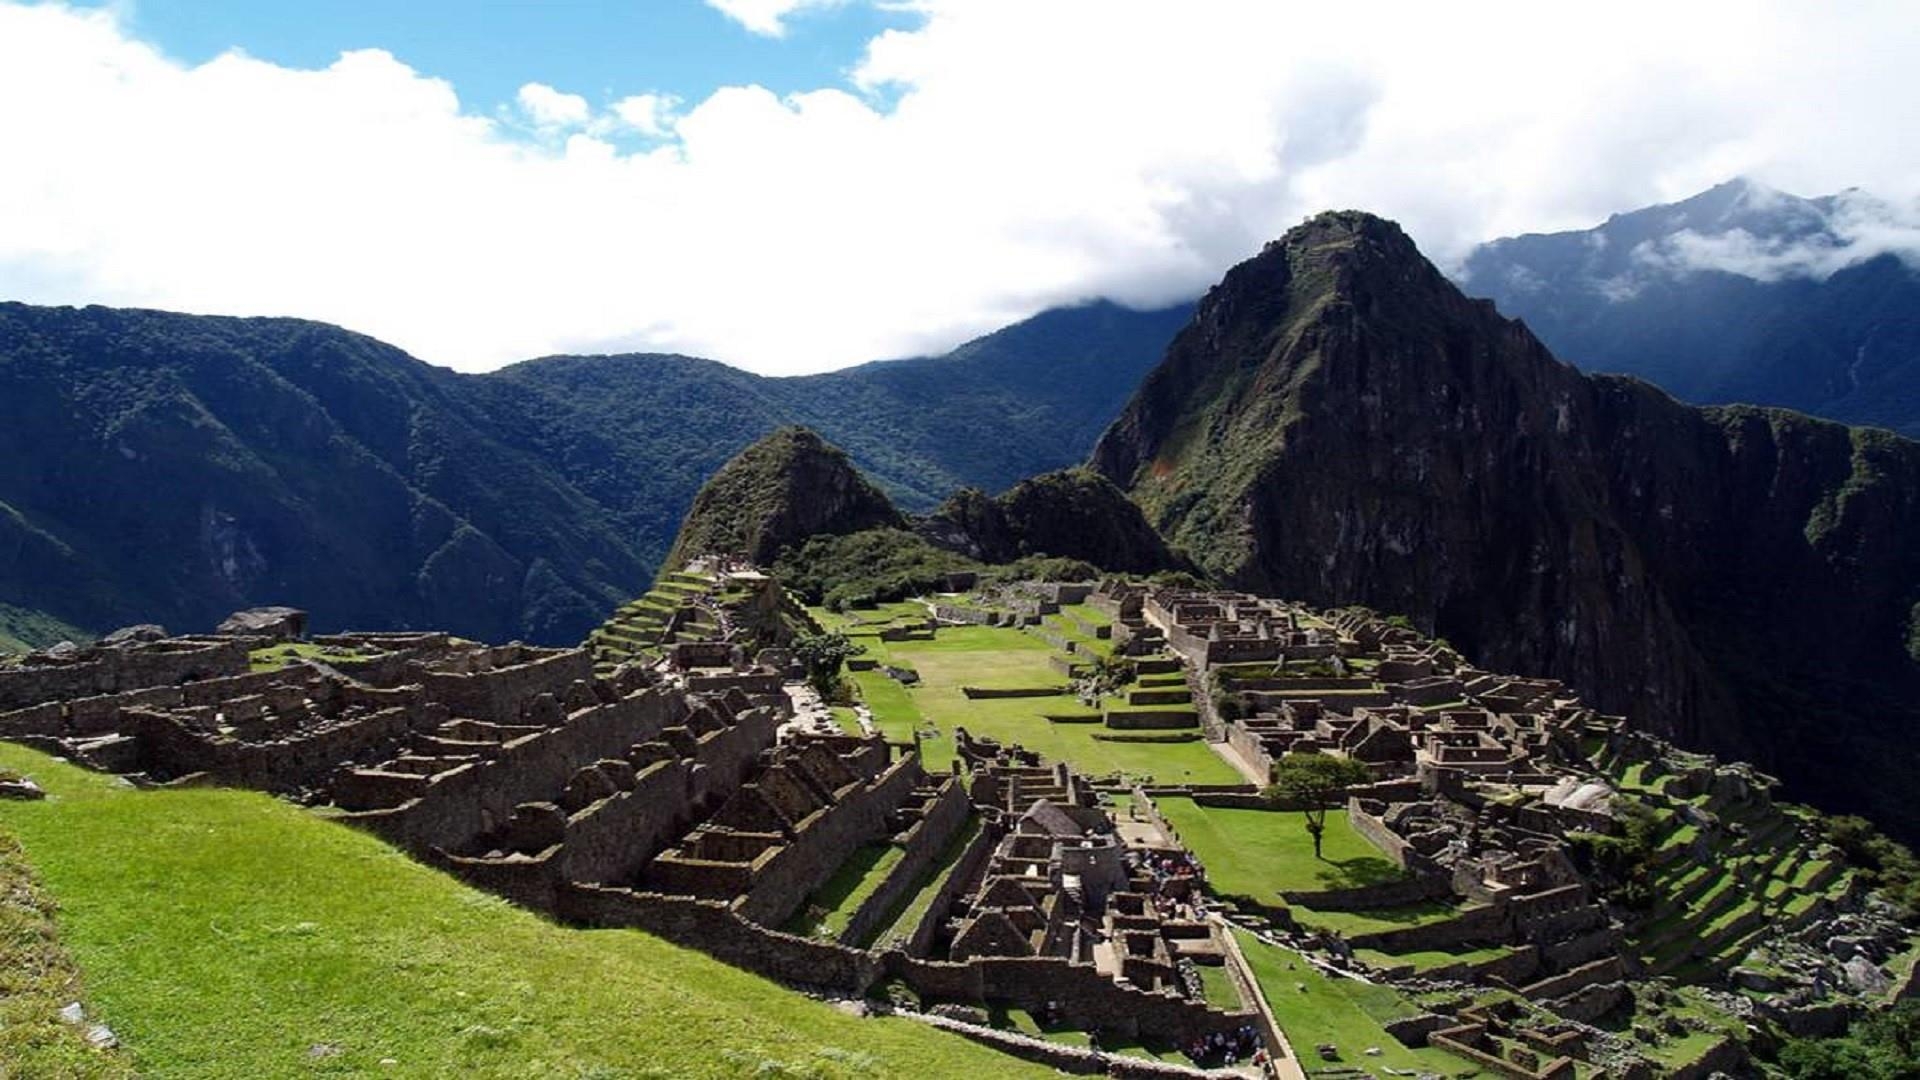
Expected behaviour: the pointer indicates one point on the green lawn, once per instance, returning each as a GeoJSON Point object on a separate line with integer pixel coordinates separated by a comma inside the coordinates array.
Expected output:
{"type": "Point", "coordinates": [228, 934]}
{"type": "Point", "coordinates": [848, 720]}
{"type": "Point", "coordinates": [1430, 959]}
{"type": "Point", "coordinates": [1377, 920]}
{"type": "Point", "coordinates": [1314, 1008]}
{"type": "Point", "coordinates": [993, 656]}
{"type": "Point", "coordinates": [1262, 853]}
{"type": "Point", "coordinates": [38, 979]}
{"type": "Point", "coordinates": [916, 907]}
{"type": "Point", "coordinates": [1220, 991]}
{"type": "Point", "coordinates": [1025, 1023]}
{"type": "Point", "coordinates": [274, 657]}
{"type": "Point", "coordinates": [827, 912]}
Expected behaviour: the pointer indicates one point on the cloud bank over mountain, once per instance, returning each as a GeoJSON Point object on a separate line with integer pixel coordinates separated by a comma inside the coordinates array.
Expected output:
{"type": "Point", "coordinates": [1001, 157]}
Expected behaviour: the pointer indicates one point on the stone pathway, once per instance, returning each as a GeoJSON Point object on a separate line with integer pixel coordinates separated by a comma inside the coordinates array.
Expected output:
{"type": "Point", "coordinates": [810, 714]}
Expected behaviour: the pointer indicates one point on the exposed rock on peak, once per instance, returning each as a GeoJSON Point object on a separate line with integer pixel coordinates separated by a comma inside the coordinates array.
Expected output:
{"type": "Point", "coordinates": [1341, 424]}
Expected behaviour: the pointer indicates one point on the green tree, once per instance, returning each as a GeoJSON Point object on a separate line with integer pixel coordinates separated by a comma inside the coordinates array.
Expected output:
{"type": "Point", "coordinates": [824, 655]}
{"type": "Point", "coordinates": [1313, 783]}
{"type": "Point", "coordinates": [1106, 675]}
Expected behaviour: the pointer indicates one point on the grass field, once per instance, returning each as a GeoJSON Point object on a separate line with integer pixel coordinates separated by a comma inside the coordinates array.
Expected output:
{"type": "Point", "coordinates": [275, 657]}
{"type": "Point", "coordinates": [1259, 854]}
{"type": "Point", "coordinates": [1314, 1008]}
{"type": "Point", "coordinates": [993, 656]}
{"type": "Point", "coordinates": [228, 934]}
{"type": "Point", "coordinates": [1262, 853]}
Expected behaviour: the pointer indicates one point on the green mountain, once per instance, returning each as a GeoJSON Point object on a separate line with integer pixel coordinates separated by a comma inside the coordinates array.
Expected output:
{"type": "Point", "coordinates": [776, 493]}
{"type": "Point", "coordinates": [795, 500]}
{"type": "Point", "coordinates": [1339, 423]}
{"type": "Point", "coordinates": [175, 467]}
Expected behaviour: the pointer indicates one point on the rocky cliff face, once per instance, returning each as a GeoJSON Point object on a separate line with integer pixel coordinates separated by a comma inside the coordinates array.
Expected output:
{"type": "Point", "coordinates": [1341, 424]}
{"type": "Point", "coordinates": [775, 494]}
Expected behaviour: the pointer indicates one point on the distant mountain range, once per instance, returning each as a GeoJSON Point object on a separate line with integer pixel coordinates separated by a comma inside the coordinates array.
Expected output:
{"type": "Point", "coordinates": [1739, 294]}
{"type": "Point", "coordinates": [1340, 424]}
{"type": "Point", "coordinates": [175, 467]}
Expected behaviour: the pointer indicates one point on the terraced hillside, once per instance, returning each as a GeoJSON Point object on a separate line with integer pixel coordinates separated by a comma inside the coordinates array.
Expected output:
{"type": "Point", "coordinates": [1731, 867]}
{"type": "Point", "coordinates": [695, 605]}
{"type": "Point", "coordinates": [680, 606]}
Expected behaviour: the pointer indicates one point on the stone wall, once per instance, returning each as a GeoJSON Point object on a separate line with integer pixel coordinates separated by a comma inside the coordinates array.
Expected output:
{"type": "Point", "coordinates": [305, 759]}
{"type": "Point", "coordinates": [1072, 1059]}
{"type": "Point", "coordinates": [499, 695]}
{"type": "Point", "coordinates": [921, 845]}
{"type": "Point", "coordinates": [965, 869]}
{"type": "Point", "coordinates": [612, 839]}
{"type": "Point", "coordinates": [716, 929]}
{"type": "Point", "coordinates": [113, 670]}
{"type": "Point", "coordinates": [1460, 1041]}
{"type": "Point", "coordinates": [465, 803]}
{"type": "Point", "coordinates": [783, 882]}
{"type": "Point", "coordinates": [1388, 894]}
{"type": "Point", "coordinates": [1390, 843]}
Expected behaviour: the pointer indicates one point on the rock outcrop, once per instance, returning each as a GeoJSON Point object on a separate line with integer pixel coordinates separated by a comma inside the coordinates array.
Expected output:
{"type": "Point", "coordinates": [1340, 424]}
{"type": "Point", "coordinates": [1072, 513]}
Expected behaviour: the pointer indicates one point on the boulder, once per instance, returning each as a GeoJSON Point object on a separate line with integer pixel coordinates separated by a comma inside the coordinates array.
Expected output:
{"type": "Point", "coordinates": [128, 635]}
{"type": "Point", "coordinates": [20, 788]}
{"type": "Point", "coordinates": [278, 623]}
{"type": "Point", "coordinates": [1865, 976]}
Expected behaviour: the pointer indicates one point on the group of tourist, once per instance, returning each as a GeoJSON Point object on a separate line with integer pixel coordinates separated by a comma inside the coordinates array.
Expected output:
{"type": "Point", "coordinates": [1229, 1048]}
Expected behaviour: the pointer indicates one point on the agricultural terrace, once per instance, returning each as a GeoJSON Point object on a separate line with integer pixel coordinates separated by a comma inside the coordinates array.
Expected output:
{"type": "Point", "coordinates": [306, 947]}
{"type": "Point", "coordinates": [1000, 658]}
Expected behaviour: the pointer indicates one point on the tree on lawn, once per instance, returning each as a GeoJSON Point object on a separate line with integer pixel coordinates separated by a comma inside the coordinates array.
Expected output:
{"type": "Point", "coordinates": [1313, 783]}
{"type": "Point", "coordinates": [823, 655]}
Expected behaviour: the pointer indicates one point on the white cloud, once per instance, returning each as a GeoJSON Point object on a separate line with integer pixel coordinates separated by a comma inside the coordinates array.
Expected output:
{"type": "Point", "coordinates": [648, 114]}
{"type": "Point", "coordinates": [766, 17]}
{"type": "Point", "coordinates": [1022, 154]}
{"type": "Point", "coordinates": [549, 108]}
{"type": "Point", "coordinates": [1860, 227]}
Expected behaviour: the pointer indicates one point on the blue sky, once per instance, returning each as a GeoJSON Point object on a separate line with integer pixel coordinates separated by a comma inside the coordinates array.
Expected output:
{"type": "Point", "coordinates": [602, 50]}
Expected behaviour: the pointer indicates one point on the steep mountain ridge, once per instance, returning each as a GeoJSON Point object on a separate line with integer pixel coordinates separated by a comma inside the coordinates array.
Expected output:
{"type": "Point", "coordinates": [1341, 424]}
{"type": "Point", "coordinates": [177, 467]}
{"type": "Point", "coordinates": [1738, 294]}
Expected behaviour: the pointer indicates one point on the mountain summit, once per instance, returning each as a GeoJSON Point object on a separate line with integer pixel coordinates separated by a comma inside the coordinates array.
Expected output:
{"type": "Point", "coordinates": [1740, 293]}
{"type": "Point", "coordinates": [788, 486]}
{"type": "Point", "coordinates": [1342, 424]}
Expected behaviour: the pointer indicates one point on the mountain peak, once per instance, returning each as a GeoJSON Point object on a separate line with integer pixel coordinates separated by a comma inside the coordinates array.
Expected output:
{"type": "Point", "coordinates": [789, 485]}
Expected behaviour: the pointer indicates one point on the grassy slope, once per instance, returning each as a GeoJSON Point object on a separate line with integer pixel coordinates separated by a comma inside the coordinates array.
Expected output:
{"type": "Point", "coordinates": [1314, 1008]}
{"type": "Point", "coordinates": [37, 980]}
{"type": "Point", "coordinates": [23, 631]}
{"type": "Point", "coordinates": [226, 934]}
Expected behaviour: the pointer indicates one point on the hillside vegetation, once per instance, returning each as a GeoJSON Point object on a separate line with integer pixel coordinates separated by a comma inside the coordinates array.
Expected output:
{"type": "Point", "coordinates": [173, 468]}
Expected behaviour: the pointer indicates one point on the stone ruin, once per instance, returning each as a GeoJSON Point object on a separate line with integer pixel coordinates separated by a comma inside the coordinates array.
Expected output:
{"type": "Point", "coordinates": [663, 797]}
